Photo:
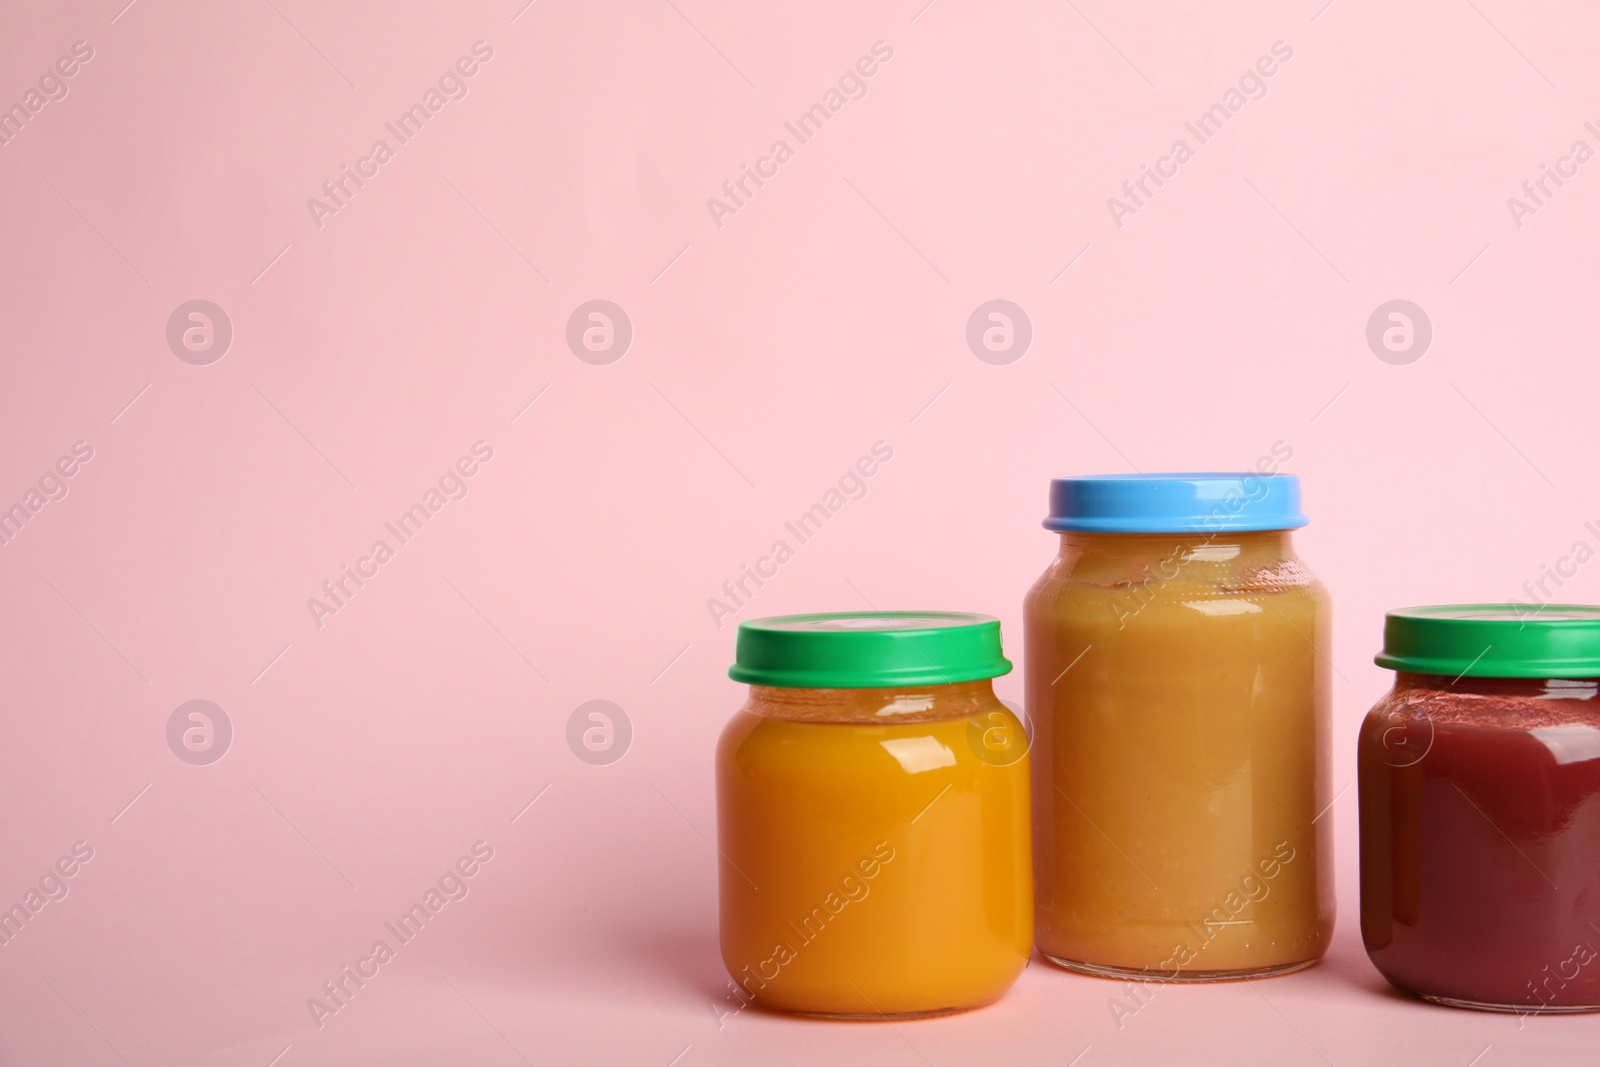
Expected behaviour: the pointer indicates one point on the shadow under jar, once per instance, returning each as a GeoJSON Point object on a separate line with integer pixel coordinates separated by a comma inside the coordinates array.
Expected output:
{"type": "Point", "coordinates": [1480, 808]}
{"type": "Point", "coordinates": [1178, 686]}
{"type": "Point", "coordinates": [873, 817]}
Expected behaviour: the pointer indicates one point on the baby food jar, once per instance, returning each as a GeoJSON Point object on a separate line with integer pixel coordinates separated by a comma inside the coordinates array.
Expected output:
{"type": "Point", "coordinates": [872, 816]}
{"type": "Point", "coordinates": [1480, 808]}
{"type": "Point", "coordinates": [1178, 687]}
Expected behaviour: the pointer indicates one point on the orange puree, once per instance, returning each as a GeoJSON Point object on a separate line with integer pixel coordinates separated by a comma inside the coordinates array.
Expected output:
{"type": "Point", "coordinates": [875, 849]}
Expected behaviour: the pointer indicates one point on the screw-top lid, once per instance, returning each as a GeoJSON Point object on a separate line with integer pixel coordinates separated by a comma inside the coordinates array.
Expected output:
{"type": "Point", "coordinates": [1175, 503]}
{"type": "Point", "coordinates": [1494, 641]}
{"type": "Point", "coordinates": [868, 650]}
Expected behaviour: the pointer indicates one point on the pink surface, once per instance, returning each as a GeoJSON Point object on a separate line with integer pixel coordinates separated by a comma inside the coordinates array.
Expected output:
{"type": "Point", "coordinates": [376, 340]}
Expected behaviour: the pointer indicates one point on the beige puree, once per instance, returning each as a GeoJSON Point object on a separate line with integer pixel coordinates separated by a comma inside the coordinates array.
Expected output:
{"type": "Point", "coordinates": [1179, 690]}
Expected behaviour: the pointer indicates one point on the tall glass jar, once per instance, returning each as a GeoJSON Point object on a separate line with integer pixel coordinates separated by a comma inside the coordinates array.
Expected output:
{"type": "Point", "coordinates": [1480, 808]}
{"type": "Point", "coordinates": [873, 818]}
{"type": "Point", "coordinates": [1178, 686]}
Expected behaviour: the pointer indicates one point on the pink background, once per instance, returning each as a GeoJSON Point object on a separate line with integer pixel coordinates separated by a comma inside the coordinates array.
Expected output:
{"type": "Point", "coordinates": [829, 312]}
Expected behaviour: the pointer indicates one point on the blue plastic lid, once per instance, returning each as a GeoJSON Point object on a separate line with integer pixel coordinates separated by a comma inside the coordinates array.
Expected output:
{"type": "Point", "coordinates": [1175, 503]}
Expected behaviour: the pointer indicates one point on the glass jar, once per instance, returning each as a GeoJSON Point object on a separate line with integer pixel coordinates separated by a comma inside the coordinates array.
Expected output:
{"type": "Point", "coordinates": [872, 817]}
{"type": "Point", "coordinates": [1480, 808]}
{"type": "Point", "coordinates": [1178, 686]}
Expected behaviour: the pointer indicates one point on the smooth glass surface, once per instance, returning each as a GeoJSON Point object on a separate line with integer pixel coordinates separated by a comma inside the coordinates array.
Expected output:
{"type": "Point", "coordinates": [876, 849]}
{"type": "Point", "coordinates": [1480, 841]}
{"type": "Point", "coordinates": [1179, 691]}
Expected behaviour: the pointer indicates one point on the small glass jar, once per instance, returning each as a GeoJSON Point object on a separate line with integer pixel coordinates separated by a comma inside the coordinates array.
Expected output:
{"type": "Point", "coordinates": [1480, 808]}
{"type": "Point", "coordinates": [1178, 688]}
{"type": "Point", "coordinates": [872, 817]}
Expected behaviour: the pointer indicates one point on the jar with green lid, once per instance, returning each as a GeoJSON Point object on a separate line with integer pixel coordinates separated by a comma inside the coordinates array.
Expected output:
{"type": "Point", "coordinates": [1480, 808]}
{"type": "Point", "coordinates": [873, 817]}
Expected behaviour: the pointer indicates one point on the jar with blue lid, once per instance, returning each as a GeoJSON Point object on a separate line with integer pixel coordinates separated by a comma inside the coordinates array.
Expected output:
{"type": "Point", "coordinates": [1178, 683]}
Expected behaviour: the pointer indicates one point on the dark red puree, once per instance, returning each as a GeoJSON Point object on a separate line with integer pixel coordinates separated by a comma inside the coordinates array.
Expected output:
{"type": "Point", "coordinates": [1480, 840]}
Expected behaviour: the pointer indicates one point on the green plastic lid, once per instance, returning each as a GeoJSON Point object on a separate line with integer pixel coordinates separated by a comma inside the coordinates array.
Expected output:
{"type": "Point", "coordinates": [1494, 641]}
{"type": "Point", "coordinates": [868, 650]}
